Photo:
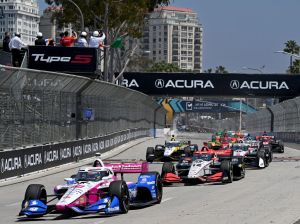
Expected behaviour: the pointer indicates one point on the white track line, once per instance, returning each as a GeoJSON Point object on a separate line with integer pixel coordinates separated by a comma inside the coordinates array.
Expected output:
{"type": "Point", "coordinates": [98, 222]}
{"type": "Point", "coordinates": [13, 204]}
{"type": "Point", "coordinates": [166, 199]}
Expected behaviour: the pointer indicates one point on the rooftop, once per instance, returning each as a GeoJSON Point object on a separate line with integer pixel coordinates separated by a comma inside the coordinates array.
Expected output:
{"type": "Point", "coordinates": [171, 8]}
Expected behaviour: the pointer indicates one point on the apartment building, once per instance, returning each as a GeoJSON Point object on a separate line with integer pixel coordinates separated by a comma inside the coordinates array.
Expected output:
{"type": "Point", "coordinates": [174, 35]}
{"type": "Point", "coordinates": [20, 16]}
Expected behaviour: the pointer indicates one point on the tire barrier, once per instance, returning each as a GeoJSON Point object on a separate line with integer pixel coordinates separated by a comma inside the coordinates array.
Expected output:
{"type": "Point", "coordinates": [31, 159]}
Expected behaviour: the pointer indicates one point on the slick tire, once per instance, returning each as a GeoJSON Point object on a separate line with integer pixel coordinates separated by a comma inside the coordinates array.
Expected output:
{"type": "Point", "coordinates": [158, 185]}
{"type": "Point", "coordinates": [281, 150]}
{"type": "Point", "coordinates": [149, 154]}
{"type": "Point", "coordinates": [227, 169]}
{"type": "Point", "coordinates": [119, 189]}
{"type": "Point", "coordinates": [167, 167]}
{"type": "Point", "coordinates": [187, 151]}
{"type": "Point", "coordinates": [261, 154]}
{"type": "Point", "coordinates": [35, 192]}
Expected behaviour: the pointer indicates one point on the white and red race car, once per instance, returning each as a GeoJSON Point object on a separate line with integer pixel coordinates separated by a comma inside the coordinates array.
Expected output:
{"type": "Point", "coordinates": [96, 190]}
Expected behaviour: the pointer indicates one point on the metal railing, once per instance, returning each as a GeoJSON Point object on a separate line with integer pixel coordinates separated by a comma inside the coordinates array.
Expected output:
{"type": "Point", "coordinates": [38, 107]}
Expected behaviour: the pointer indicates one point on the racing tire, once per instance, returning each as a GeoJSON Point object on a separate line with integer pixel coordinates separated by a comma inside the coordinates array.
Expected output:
{"type": "Point", "coordinates": [167, 167]}
{"type": "Point", "coordinates": [227, 169]}
{"type": "Point", "coordinates": [158, 185]}
{"type": "Point", "coordinates": [261, 154]}
{"type": "Point", "coordinates": [271, 156]}
{"type": "Point", "coordinates": [35, 192]}
{"type": "Point", "coordinates": [188, 151]}
{"type": "Point", "coordinates": [119, 189]}
{"type": "Point", "coordinates": [281, 150]}
{"type": "Point", "coordinates": [150, 154]}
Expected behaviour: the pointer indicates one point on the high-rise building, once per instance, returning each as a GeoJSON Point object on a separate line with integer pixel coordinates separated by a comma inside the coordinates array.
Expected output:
{"type": "Point", "coordinates": [20, 16]}
{"type": "Point", "coordinates": [49, 26]}
{"type": "Point", "coordinates": [174, 35]}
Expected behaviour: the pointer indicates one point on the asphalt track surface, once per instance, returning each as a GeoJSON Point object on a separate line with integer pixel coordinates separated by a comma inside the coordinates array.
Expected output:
{"type": "Point", "coordinates": [268, 195]}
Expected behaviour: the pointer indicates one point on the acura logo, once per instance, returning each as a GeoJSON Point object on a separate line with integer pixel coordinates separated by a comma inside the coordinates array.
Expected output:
{"type": "Point", "coordinates": [159, 83]}
{"type": "Point", "coordinates": [2, 166]}
{"type": "Point", "coordinates": [234, 84]}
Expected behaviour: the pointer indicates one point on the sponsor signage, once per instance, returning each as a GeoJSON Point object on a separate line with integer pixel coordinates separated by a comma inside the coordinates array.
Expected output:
{"type": "Point", "coordinates": [26, 160]}
{"type": "Point", "coordinates": [204, 84]}
{"type": "Point", "coordinates": [215, 106]}
{"type": "Point", "coordinates": [63, 59]}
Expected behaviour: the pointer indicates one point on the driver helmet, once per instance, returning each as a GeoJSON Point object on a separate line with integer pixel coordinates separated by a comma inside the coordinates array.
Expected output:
{"type": "Point", "coordinates": [97, 163]}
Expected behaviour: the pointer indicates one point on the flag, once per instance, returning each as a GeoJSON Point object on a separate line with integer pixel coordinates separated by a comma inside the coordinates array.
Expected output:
{"type": "Point", "coordinates": [117, 43]}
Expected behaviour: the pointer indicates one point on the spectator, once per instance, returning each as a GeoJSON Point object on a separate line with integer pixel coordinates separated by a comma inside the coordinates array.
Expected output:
{"type": "Point", "coordinates": [16, 45]}
{"type": "Point", "coordinates": [68, 41]}
{"type": "Point", "coordinates": [6, 41]}
{"type": "Point", "coordinates": [97, 39]}
{"type": "Point", "coordinates": [40, 41]}
{"type": "Point", "coordinates": [82, 42]}
{"type": "Point", "coordinates": [51, 43]}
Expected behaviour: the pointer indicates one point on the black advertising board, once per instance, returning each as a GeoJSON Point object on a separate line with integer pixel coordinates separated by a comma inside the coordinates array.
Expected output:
{"type": "Point", "coordinates": [26, 160]}
{"type": "Point", "coordinates": [204, 84]}
{"type": "Point", "coordinates": [75, 60]}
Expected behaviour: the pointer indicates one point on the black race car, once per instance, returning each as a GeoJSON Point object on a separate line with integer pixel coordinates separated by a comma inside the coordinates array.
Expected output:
{"type": "Point", "coordinates": [171, 150]}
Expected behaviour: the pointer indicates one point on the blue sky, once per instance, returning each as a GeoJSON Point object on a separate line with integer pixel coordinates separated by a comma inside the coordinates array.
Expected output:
{"type": "Point", "coordinates": [240, 33]}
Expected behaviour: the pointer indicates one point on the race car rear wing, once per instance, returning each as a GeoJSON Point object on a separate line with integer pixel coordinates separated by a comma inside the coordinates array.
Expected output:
{"type": "Point", "coordinates": [224, 153]}
{"type": "Point", "coordinates": [264, 137]}
{"type": "Point", "coordinates": [127, 166]}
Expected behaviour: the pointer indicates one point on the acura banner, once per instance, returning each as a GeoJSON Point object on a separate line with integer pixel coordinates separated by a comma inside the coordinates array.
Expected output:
{"type": "Point", "coordinates": [21, 161]}
{"type": "Point", "coordinates": [205, 84]}
{"type": "Point", "coordinates": [81, 60]}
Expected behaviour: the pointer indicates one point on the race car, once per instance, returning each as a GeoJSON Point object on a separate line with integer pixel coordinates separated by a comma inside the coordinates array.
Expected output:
{"type": "Point", "coordinates": [272, 142]}
{"type": "Point", "coordinates": [206, 165]}
{"type": "Point", "coordinates": [172, 150]}
{"type": "Point", "coordinates": [96, 190]}
{"type": "Point", "coordinates": [254, 155]}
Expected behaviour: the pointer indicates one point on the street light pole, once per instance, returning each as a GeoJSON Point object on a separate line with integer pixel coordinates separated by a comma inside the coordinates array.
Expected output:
{"type": "Point", "coordinates": [291, 56]}
{"type": "Point", "coordinates": [81, 15]}
{"type": "Point", "coordinates": [254, 69]}
{"type": "Point", "coordinates": [106, 55]}
{"type": "Point", "coordinates": [240, 126]}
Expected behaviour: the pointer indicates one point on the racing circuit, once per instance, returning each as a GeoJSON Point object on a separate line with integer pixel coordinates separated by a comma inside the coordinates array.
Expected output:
{"type": "Point", "coordinates": [268, 195]}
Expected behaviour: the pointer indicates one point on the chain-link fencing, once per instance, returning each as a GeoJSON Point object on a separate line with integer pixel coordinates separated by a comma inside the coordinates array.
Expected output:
{"type": "Point", "coordinates": [38, 107]}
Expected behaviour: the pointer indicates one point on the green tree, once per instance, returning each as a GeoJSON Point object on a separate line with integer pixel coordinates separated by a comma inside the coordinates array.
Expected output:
{"type": "Point", "coordinates": [118, 19]}
{"type": "Point", "coordinates": [295, 68]}
{"type": "Point", "coordinates": [164, 67]}
{"type": "Point", "coordinates": [218, 70]}
{"type": "Point", "coordinates": [221, 70]}
{"type": "Point", "coordinates": [292, 47]}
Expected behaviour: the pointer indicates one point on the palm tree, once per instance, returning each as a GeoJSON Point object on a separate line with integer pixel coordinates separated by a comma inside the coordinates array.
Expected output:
{"type": "Point", "coordinates": [291, 47]}
{"type": "Point", "coordinates": [164, 67]}
{"type": "Point", "coordinates": [295, 68]}
{"type": "Point", "coordinates": [221, 70]}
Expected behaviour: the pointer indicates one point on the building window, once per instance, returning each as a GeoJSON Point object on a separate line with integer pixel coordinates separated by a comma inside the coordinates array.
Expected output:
{"type": "Point", "coordinates": [165, 52]}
